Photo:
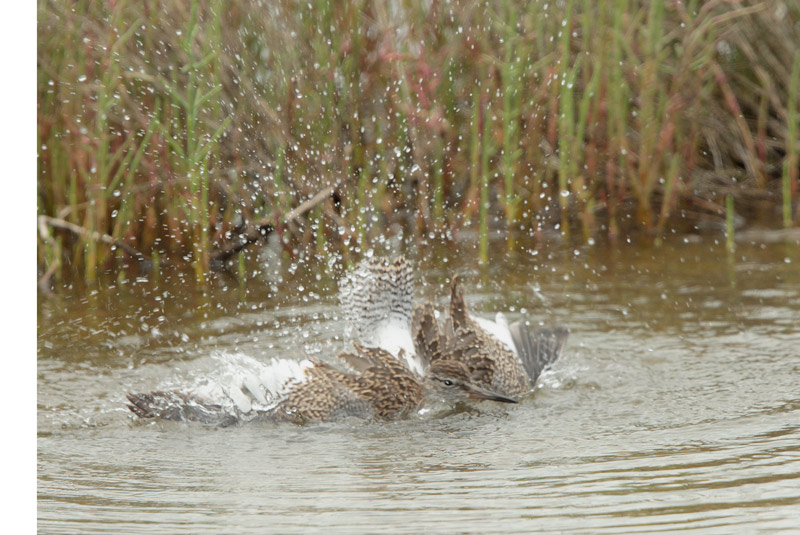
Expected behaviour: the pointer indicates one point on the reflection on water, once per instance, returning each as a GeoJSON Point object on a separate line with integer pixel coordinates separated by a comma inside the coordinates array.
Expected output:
{"type": "Point", "coordinates": [676, 405]}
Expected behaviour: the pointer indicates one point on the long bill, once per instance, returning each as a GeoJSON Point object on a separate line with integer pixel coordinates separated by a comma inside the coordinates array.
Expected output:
{"type": "Point", "coordinates": [482, 393]}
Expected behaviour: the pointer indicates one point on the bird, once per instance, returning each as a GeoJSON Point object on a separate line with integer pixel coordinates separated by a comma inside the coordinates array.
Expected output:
{"type": "Point", "coordinates": [506, 359]}
{"type": "Point", "coordinates": [381, 387]}
{"type": "Point", "coordinates": [403, 359]}
{"type": "Point", "coordinates": [377, 301]}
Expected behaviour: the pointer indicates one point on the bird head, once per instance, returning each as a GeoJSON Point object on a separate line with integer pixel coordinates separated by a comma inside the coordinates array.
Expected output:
{"type": "Point", "coordinates": [452, 381]}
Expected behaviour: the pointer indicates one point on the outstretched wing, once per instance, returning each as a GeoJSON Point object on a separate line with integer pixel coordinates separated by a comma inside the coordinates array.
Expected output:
{"type": "Point", "coordinates": [377, 298]}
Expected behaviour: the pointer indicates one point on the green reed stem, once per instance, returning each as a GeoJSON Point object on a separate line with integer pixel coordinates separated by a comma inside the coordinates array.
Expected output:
{"type": "Point", "coordinates": [486, 152]}
{"type": "Point", "coordinates": [730, 239]}
{"type": "Point", "coordinates": [362, 207]}
{"type": "Point", "coordinates": [790, 164]}
{"type": "Point", "coordinates": [672, 177]}
{"type": "Point", "coordinates": [475, 137]}
{"type": "Point", "coordinates": [438, 181]}
{"type": "Point", "coordinates": [512, 82]}
{"type": "Point", "coordinates": [319, 229]}
{"type": "Point", "coordinates": [566, 127]}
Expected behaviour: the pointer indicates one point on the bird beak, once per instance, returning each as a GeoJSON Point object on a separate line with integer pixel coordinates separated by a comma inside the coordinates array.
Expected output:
{"type": "Point", "coordinates": [482, 393]}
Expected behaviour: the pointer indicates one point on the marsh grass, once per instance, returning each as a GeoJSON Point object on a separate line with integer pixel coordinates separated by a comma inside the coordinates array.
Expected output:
{"type": "Point", "coordinates": [170, 125]}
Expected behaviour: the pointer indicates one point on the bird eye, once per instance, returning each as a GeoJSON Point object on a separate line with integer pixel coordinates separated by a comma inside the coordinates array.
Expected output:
{"type": "Point", "coordinates": [448, 382]}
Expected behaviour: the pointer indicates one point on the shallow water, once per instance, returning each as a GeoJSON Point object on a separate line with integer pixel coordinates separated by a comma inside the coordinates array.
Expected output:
{"type": "Point", "coordinates": [675, 406]}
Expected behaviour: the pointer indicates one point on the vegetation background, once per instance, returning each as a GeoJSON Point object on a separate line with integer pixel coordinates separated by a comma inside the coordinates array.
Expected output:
{"type": "Point", "coordinates": [179, 131]}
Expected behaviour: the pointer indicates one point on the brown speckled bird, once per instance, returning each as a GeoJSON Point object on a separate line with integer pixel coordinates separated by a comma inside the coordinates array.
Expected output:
{"type": "Point", "coordinates": [381, 387]}
{"type": "Point", "coordinates": [377, 299]}
{"type": "Point", "coordinates": [506, 359]}
{"type": "Point", "coordinates": [402, 361]}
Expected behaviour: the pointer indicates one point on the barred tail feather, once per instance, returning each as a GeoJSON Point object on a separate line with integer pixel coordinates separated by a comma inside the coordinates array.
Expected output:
{"type": "Point", "coordinates": [180, 407]}
{"type": "Point", "coordinates": [538, 349]}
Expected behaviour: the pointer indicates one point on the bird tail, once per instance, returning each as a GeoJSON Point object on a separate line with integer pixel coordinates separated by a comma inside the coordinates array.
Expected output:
{"type": "Point", "coordinates": [180, 407]}
{"type": "Point", "coordinates": [458, 308]}
{"type": "Point", "coordinates": [538, 349]}
{"type": "Point", "coordinates": [428, 338]}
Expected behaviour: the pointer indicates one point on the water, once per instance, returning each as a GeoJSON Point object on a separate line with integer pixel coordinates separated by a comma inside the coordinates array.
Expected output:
{"type": "Point", "coordinates": [676, 406]}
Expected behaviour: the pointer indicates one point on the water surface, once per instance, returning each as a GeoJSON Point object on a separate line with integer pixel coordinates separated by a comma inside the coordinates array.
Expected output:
{"type": "Point", "coordinates": [676, 405]}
